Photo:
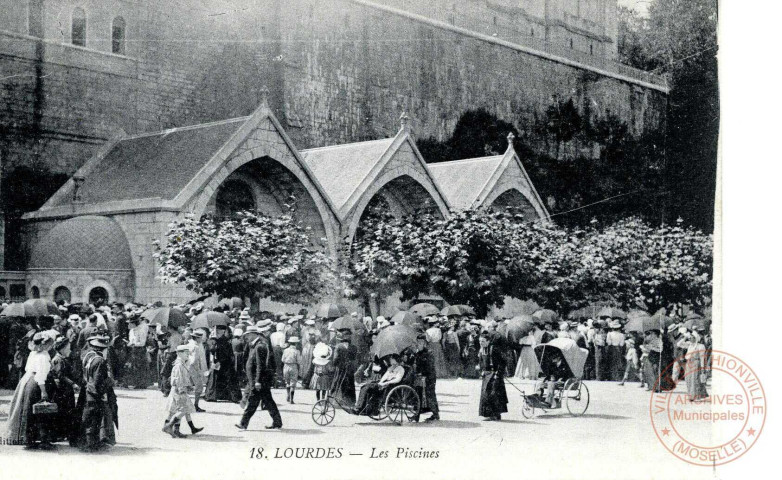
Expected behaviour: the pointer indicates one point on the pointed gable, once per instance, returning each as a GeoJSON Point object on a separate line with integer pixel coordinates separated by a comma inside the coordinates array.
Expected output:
{"type": "Point", "coordinates": [463, 180]}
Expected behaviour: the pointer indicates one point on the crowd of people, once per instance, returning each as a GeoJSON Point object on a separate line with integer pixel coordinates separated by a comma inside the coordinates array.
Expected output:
{"type": "Point", "coordinates": [64, 368]}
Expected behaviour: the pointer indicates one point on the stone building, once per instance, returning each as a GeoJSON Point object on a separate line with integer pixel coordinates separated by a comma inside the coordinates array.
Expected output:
{"type": "Point", "coordinates": [95, 237]}
{"type": "Point", "coordinates": [78, 74]}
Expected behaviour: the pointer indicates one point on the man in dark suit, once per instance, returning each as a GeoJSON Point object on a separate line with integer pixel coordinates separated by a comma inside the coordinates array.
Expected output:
{"type": "Point", "coordinates": [260, 376]}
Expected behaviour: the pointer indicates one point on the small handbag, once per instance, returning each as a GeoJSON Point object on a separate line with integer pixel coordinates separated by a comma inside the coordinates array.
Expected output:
{"type": "Point", "coordinates": [45, 408]}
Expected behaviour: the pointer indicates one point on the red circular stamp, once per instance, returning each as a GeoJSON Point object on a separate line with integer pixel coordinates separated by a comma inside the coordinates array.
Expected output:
{"type": "Point", "coordinates": [708, 426]}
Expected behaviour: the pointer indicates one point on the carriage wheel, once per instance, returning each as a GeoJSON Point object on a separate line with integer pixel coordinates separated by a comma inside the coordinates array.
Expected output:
{"type": "Point", "coordinates": [403, 403]}
{"type": "Point", "coordinates": [381, 414]}
{"type": "Point", "coordinates": [527, 410]}
{"type": "Point", "coordinates": [576, 396]}
{"type": "Point", "coordinates": [323, 412]}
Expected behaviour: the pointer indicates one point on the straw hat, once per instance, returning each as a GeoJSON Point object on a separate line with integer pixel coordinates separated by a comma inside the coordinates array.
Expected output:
{"type": "Point", "coordinates": [321, 354]}
{"type": "Point", "coordinates": [293, 339]}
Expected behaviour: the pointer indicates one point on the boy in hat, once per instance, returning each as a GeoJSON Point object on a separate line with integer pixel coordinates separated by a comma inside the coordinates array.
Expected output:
{"type": "Point", "coordinates": [290, 366]}
{"type": "Point", "coordinates": [179, 404]}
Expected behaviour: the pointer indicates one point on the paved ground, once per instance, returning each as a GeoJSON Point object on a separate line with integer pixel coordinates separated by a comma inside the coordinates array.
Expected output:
{"type": "Point", "coordinates": [613, 440]}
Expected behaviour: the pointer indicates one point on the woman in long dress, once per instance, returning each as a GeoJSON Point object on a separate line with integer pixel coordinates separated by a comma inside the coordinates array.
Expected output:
{"type": "Point", "coordinates": [494, 398]}
{"type": "Point", "coordinates": [527, 368]}
{"type": "Point", "coordinates": [696, 369]}
{"type": "Point", "coordinates": [435, 337]}
{"type": "Point", "coordinates": [22, 427]}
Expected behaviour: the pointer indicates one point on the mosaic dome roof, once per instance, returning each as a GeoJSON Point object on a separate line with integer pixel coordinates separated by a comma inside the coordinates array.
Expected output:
{"type": "Point", "coordinates": [88, 243]}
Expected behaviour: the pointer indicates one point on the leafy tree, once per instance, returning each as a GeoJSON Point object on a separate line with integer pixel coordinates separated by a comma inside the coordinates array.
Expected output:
{"type": "Point", "coordinates": [479, 257]}
{"type": "Point", "coordinates": [679, 40]}
{"type": "Point", "coordinates": [478, 133]}
{"type": "Point", "coordinates": [246, 255]}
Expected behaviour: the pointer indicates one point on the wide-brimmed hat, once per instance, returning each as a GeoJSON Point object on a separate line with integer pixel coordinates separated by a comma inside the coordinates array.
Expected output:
{"type": "Point", "coordinates": [309, 323]}
{"type": "Point", "coordinates": [183, 348]}
{"type": "Point", "coordinates": [293, 339]}
{"type": "Point", "coordinates": [238, 332]}
{"type": "Point", "coordinates": [41, 342]}
{"type": "Point", "coordinates": [99, 341]}
{"type": "Point", "coordinates": [614, 324]}
{"type": "Point", "coordinates": [251, 329]}
{"type": "Point", "coordinates": [60, 342]}
{"type": "Point", "coordinates": [244, 316]}
{"type": "Point", "coordinates": [321, 354]}
{"type": "Point", "coordinates": [74, 317]}
{"type": "Point", "coordinates": [264, 325]}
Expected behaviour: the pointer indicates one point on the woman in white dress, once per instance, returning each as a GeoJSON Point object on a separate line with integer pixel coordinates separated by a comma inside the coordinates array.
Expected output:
{"type": "Point", "coordinates": [22, 427]}
{"type": "Point", "coordinates": [527, 367]}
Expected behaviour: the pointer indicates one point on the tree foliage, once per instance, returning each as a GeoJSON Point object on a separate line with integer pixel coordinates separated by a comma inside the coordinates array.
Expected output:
{"type": "Point", "coordinates": [479, 257]}
{"type": "Point", "coordinates": [246, 255]}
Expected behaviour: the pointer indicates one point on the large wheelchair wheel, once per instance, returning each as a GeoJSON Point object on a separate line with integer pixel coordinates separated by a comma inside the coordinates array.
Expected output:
{"type": "Point", "coordinates": [323, 412]}
{"type": "Point", "coordinates": [381, 414]}
{"type": "Point", "coordinates": [403, 404]}
{"type": "Point", "coordinates": [576, 396]}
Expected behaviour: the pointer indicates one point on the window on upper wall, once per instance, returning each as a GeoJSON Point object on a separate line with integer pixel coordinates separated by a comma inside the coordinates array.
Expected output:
{"type": "Point", "coordinates": [591, 49]}
{"type": "Point", "coordinates": [118, 36]}
{"type": "Point", "coordinates": [571, 43]}
{"type": "Point", "coordinates": [35, 18]}
{"type": "Point", "coordinates": [79, 27]}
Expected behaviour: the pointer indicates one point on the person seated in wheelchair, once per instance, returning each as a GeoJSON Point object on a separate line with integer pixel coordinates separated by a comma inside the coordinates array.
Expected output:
{"type": "Point", "coordinates": [558, 372]}
{"type": "Point", "coordinates": [371, 394]}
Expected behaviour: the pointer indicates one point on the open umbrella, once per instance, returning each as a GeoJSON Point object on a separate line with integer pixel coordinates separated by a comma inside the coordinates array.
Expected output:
{"type": "Point", "coordinates": [518, 327]}
{"type": "Point", "coordinates": [612, 312]}
{"type": "Point", "coordinates": [13, 310]}
{"type": "Point", "coordinates": [451, 310]}
{"type": "Point", "coordinates": [331, 310]}
{"type": "Point", "coordinates": [35, 307]}
{"type": "Point", "coordinates": [393, 340]}
{"type": "Point", "coordinates": [527, 307]}
{"type": "Point", "coordinates": [166, 317]}
{"type": "Point", "coordinates": [635, 324]}
{"type": "Point", "coordinates": [409, 319]}
{"type": "Point", "coordinates": [424, 309]}
{"type": "Point", "coordinates": [663, 319]}
{"type": "Point", "coordinates": [636, 313]}
{"type": "Point", "coordinates": [231, 303]}
{"type": "Point", "coordinates": [209, 320]}
{"type": "Point", "coordinates": [41, 307]}
{"type": "Point", "coordinates": [354, 324]}
{"type": "Point", "coordinates": [546, 316]}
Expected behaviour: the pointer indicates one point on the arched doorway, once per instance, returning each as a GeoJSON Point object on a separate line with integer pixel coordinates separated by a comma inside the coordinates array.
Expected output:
{"type": "Point", "coordinates": [35, 292]}
{"type": "Point", "coordinates": [62, 294]}
{"type": "Point", "coordinates": [516, 202]}
{"type": "Point", "coordinates": [2, 293]}
{"type": "Point", "coordinates": [266, 186]}
{"type": "Point", "coordinates": [99, 296]}
{"type": "Point", "coordinates": [401, 197]}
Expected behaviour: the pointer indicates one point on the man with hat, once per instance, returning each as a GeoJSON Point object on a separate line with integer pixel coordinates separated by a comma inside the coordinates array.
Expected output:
{"type": "Point", "coordinates": [291, 357]}
{"type": "Point", "coordinates": [66, 423]}
{"type": "Point", "coordinates": [345, 357]}
{"type": "Point", "coordinates": [260, 370]}
{"type": "Point", "coordinates": [222, 379]}
{"type": "Point", "coordinates": [424, 365]}
{"type": "Point", "coordinates": [96, 398]}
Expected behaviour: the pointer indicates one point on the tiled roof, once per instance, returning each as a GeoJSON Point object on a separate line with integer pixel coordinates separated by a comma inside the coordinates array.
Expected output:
{"type": "Point", "coordinates": [88, 242]}
{"type": "Point", "coordinates": [341, 168]}
{"type": "Point", "coordinates": [157, 165]}
{"type": "Point", "coordinates": [461, 181]}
